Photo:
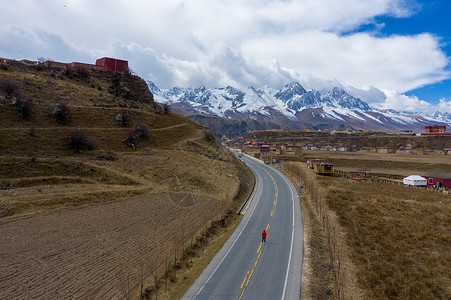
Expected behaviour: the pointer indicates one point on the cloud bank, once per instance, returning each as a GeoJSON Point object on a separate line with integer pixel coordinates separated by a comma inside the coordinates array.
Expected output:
{"type": "Point", "coordinates": [239, 43]}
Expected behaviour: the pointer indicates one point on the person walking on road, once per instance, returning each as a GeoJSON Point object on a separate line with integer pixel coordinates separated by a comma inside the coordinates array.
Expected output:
{"type": "Point", "coordinates": [264, 236]}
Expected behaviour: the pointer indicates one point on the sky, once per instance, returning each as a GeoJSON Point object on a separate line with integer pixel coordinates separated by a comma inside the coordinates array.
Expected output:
{"type": "Point", "coordinates": [393, 54]}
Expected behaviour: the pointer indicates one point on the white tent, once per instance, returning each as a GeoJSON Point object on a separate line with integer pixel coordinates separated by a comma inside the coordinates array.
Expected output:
{"type": "Point", "coordinates": [415, 180]}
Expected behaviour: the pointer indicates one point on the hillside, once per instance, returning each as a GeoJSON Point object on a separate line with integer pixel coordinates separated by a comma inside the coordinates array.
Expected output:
{"type": "Point", "coordinates": [169, 170]}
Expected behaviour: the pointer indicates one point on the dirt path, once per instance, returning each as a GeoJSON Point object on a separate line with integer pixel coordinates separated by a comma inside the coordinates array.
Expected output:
{"type": "Point", "coordinates": [93, 251]}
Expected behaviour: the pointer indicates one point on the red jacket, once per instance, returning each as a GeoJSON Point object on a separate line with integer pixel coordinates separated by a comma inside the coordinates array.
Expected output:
{"type": "Point", "coordinates": [264, 233]}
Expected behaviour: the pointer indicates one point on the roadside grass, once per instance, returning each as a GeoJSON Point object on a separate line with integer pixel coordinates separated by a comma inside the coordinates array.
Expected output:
{"type": "Point", "coordinates": [399, 237]}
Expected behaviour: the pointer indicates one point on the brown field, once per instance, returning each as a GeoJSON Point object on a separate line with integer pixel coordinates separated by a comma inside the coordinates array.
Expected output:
{"type": "Point", "coordinates": [88, 252]}
{"type": "Point", "coordinates": [399, 237]}
{"type": "Point", "coordinates": [94, 224]}
{"type": "Point", "coordinates": [391, 241]}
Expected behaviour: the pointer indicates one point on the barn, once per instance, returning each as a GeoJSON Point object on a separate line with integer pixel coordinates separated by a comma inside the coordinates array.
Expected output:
{"type": "Point", "coordinates": [438, 182]}
{"type": "Point", "coordinates": [415, 180]}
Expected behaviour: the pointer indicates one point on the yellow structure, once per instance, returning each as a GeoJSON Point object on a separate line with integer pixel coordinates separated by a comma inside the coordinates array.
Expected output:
{"type": "Point", "coordinates": [324, 168]}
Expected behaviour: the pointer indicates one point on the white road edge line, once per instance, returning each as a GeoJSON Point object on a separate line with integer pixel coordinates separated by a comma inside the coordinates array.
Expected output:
{"type": "Point", "coordinates": [242, 229]}
{"type": "Point", "coordinates": [292, 239]}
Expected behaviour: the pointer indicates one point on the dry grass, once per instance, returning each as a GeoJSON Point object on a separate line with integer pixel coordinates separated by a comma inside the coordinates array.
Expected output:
{"type": "Point", "coordinates": [399, 237]}
{"type": "Point", "coordinates": [396, 238]}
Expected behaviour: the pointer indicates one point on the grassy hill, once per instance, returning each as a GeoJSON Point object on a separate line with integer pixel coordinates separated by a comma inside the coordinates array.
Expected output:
{"type": "Point", "coordinates": [40, 170]}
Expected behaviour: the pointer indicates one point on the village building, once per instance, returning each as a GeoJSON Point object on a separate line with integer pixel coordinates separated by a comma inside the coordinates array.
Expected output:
{"type": "Point", "coordinates": [112, 64]}
{"type": "Point", "coordinates": [407, 132]}
{"type": "Point", "coordinates": [343, 148]}
{"type": "Point", "coordinates": [438, 182]}
{"type": "Point", "coordinates": [404, 149]}
{"type": "Point", "coordinates": [102, 64]}
{"type": "Point", "coordinates": [386, 150]}
{"type": "Point", "coordinates": [435, 129]}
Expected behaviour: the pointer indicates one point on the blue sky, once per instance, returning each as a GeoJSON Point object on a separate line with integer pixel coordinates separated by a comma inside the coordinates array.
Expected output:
{"type": "Point", "coordinates": [431, 16]}
{"type": "Point", "coordinates": [390, 53]}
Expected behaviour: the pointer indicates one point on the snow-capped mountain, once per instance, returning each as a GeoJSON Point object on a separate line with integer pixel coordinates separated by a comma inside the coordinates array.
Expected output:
{"type": "Point", "coordinates": [292, 107]}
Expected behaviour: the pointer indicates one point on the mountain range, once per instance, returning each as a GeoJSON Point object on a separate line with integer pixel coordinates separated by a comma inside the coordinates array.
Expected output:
{"type": "Point", "coordinates": [233, 112]}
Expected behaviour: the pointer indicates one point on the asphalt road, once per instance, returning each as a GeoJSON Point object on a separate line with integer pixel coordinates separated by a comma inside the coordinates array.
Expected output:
{"type": "Point", "coordinates": [245, 268]}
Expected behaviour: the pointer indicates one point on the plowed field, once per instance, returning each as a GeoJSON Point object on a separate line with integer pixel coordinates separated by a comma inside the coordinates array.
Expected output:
{"type": "Point", "coordinates": [95, 251]}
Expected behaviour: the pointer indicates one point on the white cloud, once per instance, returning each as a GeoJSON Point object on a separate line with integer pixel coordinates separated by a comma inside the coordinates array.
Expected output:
{"type": "Point", "coordinates": [236, 42]}
{"type": "Point", "coordinates": [401, 102]}
{"type": "Point", "coordinates": [18, 43]}
{"type": "Point", "coordinates": [361, 60]}
{"type": "Point", "coordinates": [443, 105]}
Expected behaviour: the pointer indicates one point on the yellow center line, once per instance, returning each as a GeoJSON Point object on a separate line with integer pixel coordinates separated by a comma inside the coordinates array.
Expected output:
{"type": "Point", "coordinates": [262, 245]}
{"type": "Point", "coordinates": [250, 275]}
{"type": "Point", "coordinates": [244, 279]}
{"type": "Point", "coordinates": [259, 247]}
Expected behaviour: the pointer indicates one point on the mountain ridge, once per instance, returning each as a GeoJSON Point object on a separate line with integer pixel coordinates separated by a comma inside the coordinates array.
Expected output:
{"type": "Point", "coordinates": [292, 107]}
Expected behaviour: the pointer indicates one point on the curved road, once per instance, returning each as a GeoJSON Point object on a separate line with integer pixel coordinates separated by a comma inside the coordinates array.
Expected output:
{"type": "Point", "coordinates": [247, 269]}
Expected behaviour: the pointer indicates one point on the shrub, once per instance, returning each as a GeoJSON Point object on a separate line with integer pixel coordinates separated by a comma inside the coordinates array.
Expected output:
{"type": "Point", "coordinates": [61, 112]}
{"type": "Point", "coordinates": [10, 88]}
{"type": "Point", "coordinates": [25, 108]}
{"type": "Point", "coordinates": [91, 143]}
{"type": "Point", "coordinates": [166, 108]}
{"type": "Point", "coordinates": [69, 71]}
{"type": "Point", "coordinates": [124, 117]}
{"type": "Point", "coordinates": [116, 86]}
{"type": "Point", "coordinates": [132, 138]}
{"type": "Point", "coordinates": [76, 140]}
{"type": "Point", "coordinates": [83, 72]}
{"type": "Point", "coordinates": [142, 130]}
{"type": "Point", "coordinates": [209, 136]}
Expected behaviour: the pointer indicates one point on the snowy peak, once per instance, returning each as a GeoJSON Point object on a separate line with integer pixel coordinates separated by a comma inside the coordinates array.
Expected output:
{"type": "Point", "coordinates": [292, 98]}
{"type": "Point", "coordinates": [290, 92]}
{"type": "Point", "coordinates": [232, 94]}
{"type": "Point", "coordinates": [199, 95]}
{"type": "Point", "coordinates": [297, 98]}
{"type": "Point", "coordinates": [339, 98]}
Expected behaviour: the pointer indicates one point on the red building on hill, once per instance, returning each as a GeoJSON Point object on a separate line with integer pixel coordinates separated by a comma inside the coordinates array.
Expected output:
{"type": "Point", "coordinates": [112, 64]}
{"type": "Point", "coordinates": [102, 64]}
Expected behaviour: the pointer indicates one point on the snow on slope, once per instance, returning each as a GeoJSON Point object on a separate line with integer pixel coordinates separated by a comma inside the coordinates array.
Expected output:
{"type": "Point", "coordinates": [292, 99]}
